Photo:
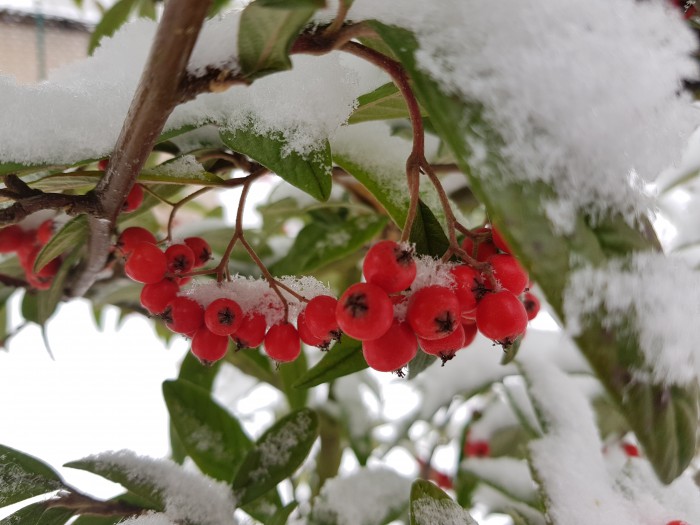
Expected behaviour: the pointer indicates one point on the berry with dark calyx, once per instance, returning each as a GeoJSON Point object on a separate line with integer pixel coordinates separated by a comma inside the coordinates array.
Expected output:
{"type": "Point", "coordinates": [389, 266]}
{"type": "Point", "coordinates": [183, 315]}
{"type": "Point", "coordinates": [45, 231]}
{"type": "Point", "coordinates": [508, 272]}
{"type": "Point", "coordinates": [223, 316]}
{"type": "Point", "coordinates": [320, 317]}
{"type": "Point", "coordinates": [501, 317]}
{"type": "Point", "coordinates": [446, 347]}
{"type": "Point", "coordinates": [208, 347]}
{"type": "Point", "coordinates": [130, 237]}
{"type": "Point", "coordinates": [11, 238]}
{"type": "Point", "coordinates": [180, 258]}
{"type": "Point", "coordinates": [499, 241]}
{"type": "Point", "coordinates": [133, 199]}
{"type": "Point", "coordinates": [485, 249]}
{"type": "Point", "coordinates": [532, 305]}
{"type": "Point", "coordinates": [306, 336]}
{"type": "Point", "coordinates": [156, 296]}
{"type": "Point", "coordinates": [102, 164]}
{"type": "Point", "coordinates": [433, 312]}
{"type": "Point", "coordinates": [146, 264]}
{"type": "Point", "coordinates": [393, 350]}
{"type": "Point", "coordinates": [469, 287]}
{"type": "Point", "coordinates": [364, 311]}
{"type": "Point", "coordinates": [477, 449]}
{"type": "Point", "coordinates": [201, 250]}
{"type": "Point", "coordinates": [282, 342]}
{"type": "Point", "coordinates": [251, 332]}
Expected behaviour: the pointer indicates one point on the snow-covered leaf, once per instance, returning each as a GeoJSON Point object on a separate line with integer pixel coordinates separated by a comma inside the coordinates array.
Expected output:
{"type": "Point", "coordinates": [113, 19]}
{"type": "Point", "coordinates": [310, 173]}
{"type": "Point", "coordinates": [276, 455]}
{"type": "Point", "coordinates": [430, 505]}
{"type": "Point", "coordinates": [38, 514]}
{"type": "Point", "coordinates": [266, 35]}
{"type": "Point", "coordinates": [342, 359]}
{"type": "Point", "coordinates": [507, 475]}
{"type": "Point", "coordinates": [212, 437]}
{"type": "Point", "coordinates": [383, 103]}
{"type": "Point", "coordinates": [23, 476]}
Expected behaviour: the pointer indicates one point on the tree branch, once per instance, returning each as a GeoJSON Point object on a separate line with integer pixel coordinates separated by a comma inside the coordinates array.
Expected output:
{"type": "Point", "coordinates": [85, 505]}
{"type": "Point", "coordinates": [156, 96]}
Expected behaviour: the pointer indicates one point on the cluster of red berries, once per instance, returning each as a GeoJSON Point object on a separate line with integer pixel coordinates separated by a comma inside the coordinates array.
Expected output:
{"type": "Point", "coordinates": [27, 242]}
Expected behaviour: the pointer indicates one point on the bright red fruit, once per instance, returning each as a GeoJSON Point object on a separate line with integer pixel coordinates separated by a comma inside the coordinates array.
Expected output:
{"type": "Point", "coordinates": [201, 250]}
{"type": "Point", "coordinates": [223, 316]}
{"type": "Point", "coordinates": [393, 350]}
{"type": "Point", "coordinates": [320, 317]}
{"type": "Point", "coordinates": [133, 199]}
{"type": "Point", "coordinates": [678, 522]}
{"type": "Point", "coordinates": [486, 247]}
{"type": "Point", "coordinates": [499, 241]}
{"type": "Point", "coordinates": [11, 238]}
{"type": "Point", "coordinates": [477, 449]}
{"type": "Point", "coordinates": [183, 315]}
{"type": "Point", "coordinates": [433, 312]}
{"type": "Point", "coordinates": [446, 347]}
{"type": "Point", "coordinates": [469, 332]}
{"type": "Point", "coordinates": [146, 264]}
{"type": "Point", "coordinates": [130, 237]}
{"type": "Point", "coordinates": [532, 305]}
{"type": "Point", "coordinates": [156, 296]}
{"type": "Point", "coordinates": [305, 334]}
{"type": "Point", "coordinates": [630, 450]}
{"type": "Point", "coordinates": [508, 272]}
{"type": "Point", "coordinates": [251, 332]}
{"type": "Point", "coordinates": [501, 316]}
{"type": "Point", "coordinates": [102, 164]}
{"type": "Point", "coordinates": [469, 287]}
{"type": "Point", "coordinates": [364, 311]}
{"type": "Point", "coordinates": [180, 258]}
{"type": "Point", "coordinates": [209, 347]}
{"type": "Point", "coordinates": [282, 342]}
{"type": "Point", "coordinates": [390, 266]}
{"type": "Point", "coordinates": [45, 231]}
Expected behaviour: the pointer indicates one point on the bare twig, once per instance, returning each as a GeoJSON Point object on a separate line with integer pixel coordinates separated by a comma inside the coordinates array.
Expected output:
{"type": "Point", "coordinates": [87, 506]}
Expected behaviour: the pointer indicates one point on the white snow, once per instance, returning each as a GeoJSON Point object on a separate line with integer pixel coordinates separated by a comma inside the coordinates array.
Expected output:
{"type": "Point", "coordinates": [188, 496]}
{"type": "Point", "coordinates": [661, 296]}
{"type": "Point", "coordinates": [152, 518]}
{"type": "Point", "coordinates": [510, 475]}
{"type": "Point", "coordinates": [362, 498]}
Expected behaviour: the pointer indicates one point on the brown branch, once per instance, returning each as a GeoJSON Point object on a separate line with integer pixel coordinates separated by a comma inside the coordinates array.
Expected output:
{"type": "Point", "coordinates": [15, 282]}
{"type": "Point", "coordinates": [70, 204]}
{"type": "Point", "coordinates": [85, 505]}
{"type": "Point", "coordinates": [156, 96]}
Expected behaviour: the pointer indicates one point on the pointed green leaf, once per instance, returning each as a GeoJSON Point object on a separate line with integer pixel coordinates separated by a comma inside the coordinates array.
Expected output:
{"type": "Point", "coordinates": [278, 453]}
{"type": "Point", "coordinates": [321, 243]}
{"type": "Point", "coordinates": [73, 233]}
{"type": "Point", "coordinates": [384, 103]}
{"type": "Point", "coordinates": [282, 515]}
{"type": "Point", "coordinates": [266, 35]}
{"type": "Point", "coordinates": [48, 300]}
{"type": "Point", "coordinates": [664, 419]}
{"type": "Point", "coordinates": [61, 182]}
{"type": "Point", "coordinates": [430, 505]}
{"type": "Point", "coordinates": [311, 174]}
{"type": "Point", "coordinates": [343, 359]}
{"type": "Point", "coordinates": [23, 476]}
{"type": "Point", "coordinates": [192, 371]}
{"type": "Point", "coordinates": [29, 515]}
{"type": "Point", "coordinates": [212, 437]}
{"type": "Point", "coordinates": [30, 307]}
{"type": "Point", "coordinates": [113, 19]}
{"type": "Point", "coordinates": [289, 374]}
{"type": "Point", "coordinates": [419, 364]}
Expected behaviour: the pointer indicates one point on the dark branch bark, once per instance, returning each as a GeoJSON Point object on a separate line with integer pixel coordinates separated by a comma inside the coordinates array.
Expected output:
{"type": "Point", "coordinates": [87, 506]}
{"type": "Point", "coordinates": [156, 96]}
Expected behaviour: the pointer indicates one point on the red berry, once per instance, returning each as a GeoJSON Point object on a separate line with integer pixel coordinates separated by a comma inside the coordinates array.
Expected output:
{"type": "Point", "coordinates": [146, 264]}
{"type": "Point", "coordinates": [393, 350]}
{"type": "Point", "coordinates": [131, 237]}
{"type": "Point", "coordinates": [501, 316]}
{"type": "Point", "coordinates": [251, 332]}
{"type": "Point", "coordinates": [433, 312]}
{"type": "Point", "coordinates": [390, 266]}
{"type": "Point", "coordinates": [678, 522]}
{"type": "Point", "coordinates": [282, 342]}
{"type": "Point", "coordinates": [306, 335]}
{"type": "Point", "coordinates": [532, 305]}
{"type": "Point", "coordinates": [477, 449]}
{"type": "Point", "coordinates": [11, 238]}
{"type": "Point", "coordinates": [445, 347]}
{"type": "Point", "coordinates": [364, 311]}
{"type": "Point", "coordinates": [508, 272]}
{"type": "Point", "coordinates": [102, 164]}
{"type": "Point", "coordinates": [180, 258]}
{"type": "Point", "coordinates": [223, 316]}
{"type": "Point", "coordinates": [469, 332]}
{"type": "Point", "coordinates": [209, 347]}
{"type": "Point", "coordinates": [45, 231]}
{"type": "Point", "coordinates": [469, 287]}
{"type": "Point", "coordinates": [183, 315]}
{"type": "Point", "coordinates": [499, 241]}
{"type": "Point", "coordinates": [485, 249]}
{"type": "Point", "coordinates": [133, 199]}
{"type": "Point", "coordinates": [156, 296]}
{"type": "Point", "coordinates": [320, 317]}
{"type": "Point", "coordinates": [631, 450]}
{"type": "Point", "coordinates": [201, 250]}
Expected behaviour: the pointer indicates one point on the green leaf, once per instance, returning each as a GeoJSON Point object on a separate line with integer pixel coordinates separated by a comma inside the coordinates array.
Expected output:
{"type": "Point", "coordinates": [282, 515]}
{"type": "Point", "coordinates": [98, 520]}
{"type": "Point", "coordinates": [192, 371]}
{"type": "Point", "coordinates": [23, 476]}
{"type": "Point", "coordinates": [289, 373]}
{"type": "Point", "coordinates": [311, 174]}
{"type": "Point", "coordinates": [212, 437]}
{"type": "Point", "coordinates": [419, 364]}
{"type": "Point", "coordinates": [147, 9]}
{"type": "Point", "coordinates": [266, 35]}
{"type": "Point", "coordinates": [252, 362]}
{"type": "Point", "coordinates": [384, 103]}
{"type": "Point", "coordinates": [74, 233]}
{"type": "Point", "coordinates": [427, 234]}
{"type": "Point", "coordinates": [48, 301]}
{"type": "Point", "coordinates": [343, 359]}
{"type": "Point", "coordinates": [30, 307]}
{"type": "Point", "coordinates": [430, 505]}
{"type": "Point", "coordinates": [58, 182]}
{"type": "Point", "coordinates": [518, 486]}
{"type": "Point", "coordinates": [278, 453]}
{"type": "Point", "coordinates": [113, 19]}
{"type": "Point", "coordinates": [183, 169]}
{"type": "Point", "coordinates": [321, 243]}
{"type": "Point", "coordinates": [292, 4]}
{"type": "Point", "coordinates": [664, 419]}
{"type": "Point", "coordinates": [38, 514]}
